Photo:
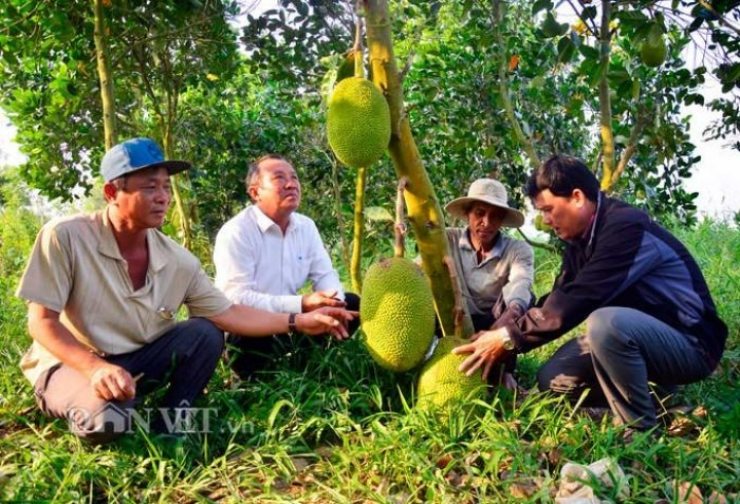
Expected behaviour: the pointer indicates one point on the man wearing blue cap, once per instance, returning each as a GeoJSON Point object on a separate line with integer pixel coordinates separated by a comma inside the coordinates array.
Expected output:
{"type": "Point", "coordinates": [103, 291]}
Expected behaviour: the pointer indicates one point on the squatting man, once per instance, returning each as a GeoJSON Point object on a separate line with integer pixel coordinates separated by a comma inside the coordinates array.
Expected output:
{"type": "Point", "coordinates": [648, 311]}
{"type": "Point", "coordinates": [103, 290]}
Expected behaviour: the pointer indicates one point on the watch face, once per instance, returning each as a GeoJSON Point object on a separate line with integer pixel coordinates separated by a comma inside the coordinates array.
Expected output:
{"type": "Point", "coordinates": [508, 343]}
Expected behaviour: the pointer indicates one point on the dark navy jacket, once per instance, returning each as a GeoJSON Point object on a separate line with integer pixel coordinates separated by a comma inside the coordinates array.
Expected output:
{"type": "Point", "coordinates": [626, 260]}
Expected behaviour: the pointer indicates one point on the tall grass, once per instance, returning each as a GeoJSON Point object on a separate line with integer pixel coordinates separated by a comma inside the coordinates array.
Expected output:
{"type": "Point", "coordinates": [330, 426]}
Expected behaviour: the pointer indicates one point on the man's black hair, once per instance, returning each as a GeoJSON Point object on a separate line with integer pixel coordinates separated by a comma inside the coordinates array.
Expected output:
{"type": "Point", "coordinates": [561, 175]}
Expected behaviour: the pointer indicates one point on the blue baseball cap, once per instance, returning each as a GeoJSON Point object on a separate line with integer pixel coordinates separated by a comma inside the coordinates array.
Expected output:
{"type": "Point", "coordinates": [136, 154]}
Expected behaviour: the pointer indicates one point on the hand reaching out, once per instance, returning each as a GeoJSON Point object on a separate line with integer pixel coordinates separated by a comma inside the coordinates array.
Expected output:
{"type": "Point", "coordinates": [486, 349]}
{"type": "Point", "coordinates": [319, 299]}
{"type": "Point", "coordinates": [325, 320]}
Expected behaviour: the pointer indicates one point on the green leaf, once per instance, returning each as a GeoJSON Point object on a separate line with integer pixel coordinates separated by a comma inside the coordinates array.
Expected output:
{"type": "Point", "coordinates": [595, 77]}
{"type": "Point", "coordinates": [378, 214]}
{"type": "Point", "coordinates": [566, 49]}
{"type": "Point", "coordinates": [589, 52]}
{"type": "Point", "coordinates": [540, 5]}
{"type": "Point", "coordinates": [589, 12]}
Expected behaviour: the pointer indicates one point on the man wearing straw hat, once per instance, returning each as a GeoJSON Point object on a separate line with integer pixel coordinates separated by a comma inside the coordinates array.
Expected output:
{"type": "Point", "coordinates": [496, 271]}
{"type": "Point", "coordinates": [648, 311]}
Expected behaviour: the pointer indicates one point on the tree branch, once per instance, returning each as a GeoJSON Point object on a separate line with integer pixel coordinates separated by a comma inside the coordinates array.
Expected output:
{"type": "Point", "coordinates": [642, 120]}
{"type": "Point", "coordinates": [523, 139]}
{"type": "Point", "coordinates": [533, 243]}
{"type": "Point", "coordinates": [605, 107]}
{"type": "Point", "coordinates": [720, 17]}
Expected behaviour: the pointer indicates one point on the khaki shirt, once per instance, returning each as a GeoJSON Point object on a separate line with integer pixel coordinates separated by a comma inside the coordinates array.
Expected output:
{"type": "Point", "coordinates": [76, 269]}
{"type": "Point", "coordinates": [508, 268]}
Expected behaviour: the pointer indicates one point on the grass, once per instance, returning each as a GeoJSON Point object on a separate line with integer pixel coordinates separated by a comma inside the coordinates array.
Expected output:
{"type": "Point", "coordinates": [331, 426]}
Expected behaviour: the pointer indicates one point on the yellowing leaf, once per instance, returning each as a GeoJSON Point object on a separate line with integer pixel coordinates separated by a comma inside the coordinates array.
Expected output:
{"type": "Point", "coordinates": [513, 62]}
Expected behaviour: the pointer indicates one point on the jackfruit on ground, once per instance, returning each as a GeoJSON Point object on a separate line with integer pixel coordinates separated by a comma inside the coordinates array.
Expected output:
{"type": "Point", "coordinates": [397, 314]}
{"type": "Point", "coordinates": [441, 385]}
{"type": "Point", "coordinates": [358, 123]}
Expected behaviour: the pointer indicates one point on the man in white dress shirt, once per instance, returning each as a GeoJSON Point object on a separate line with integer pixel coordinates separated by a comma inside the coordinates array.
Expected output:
{"type": "Point", "coordinates": [265, 254]}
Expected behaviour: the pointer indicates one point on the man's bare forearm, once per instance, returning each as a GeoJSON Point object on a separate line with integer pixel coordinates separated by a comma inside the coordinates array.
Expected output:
{"type": "Point", "coordinates": [46, 329]}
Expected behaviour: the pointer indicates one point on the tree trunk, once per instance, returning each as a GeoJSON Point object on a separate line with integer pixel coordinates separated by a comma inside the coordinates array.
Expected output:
{"type": "Point", "coordinates": [359, 230]}
{"type": "Point", "coordinates": [424, 212]}
{"type": "Point", "coordinates": [104, 75]}
{"type": "Point", "coordinates": [605, 106]}
{"type": "Point", "coordinates": [360, 183]}
{"type": "Point", "coordinates": [184, 216]}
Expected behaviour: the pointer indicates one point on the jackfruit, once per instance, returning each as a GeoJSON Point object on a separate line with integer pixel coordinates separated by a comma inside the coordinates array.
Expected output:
{"type": "Point", "coordinates": [441, 385]}
{"type": "Point", "coordinates": [397, 314]}
{"type": "Point", "coordinates": [358, 122]}
{"type": "Point", "coordinates": [653, 50]}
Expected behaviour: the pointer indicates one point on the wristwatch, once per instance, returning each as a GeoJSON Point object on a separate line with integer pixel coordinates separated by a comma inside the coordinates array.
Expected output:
{"type": "Point", "coordinates": [506, 340]}
{"type": "Point", "coordinates": [291, 323]}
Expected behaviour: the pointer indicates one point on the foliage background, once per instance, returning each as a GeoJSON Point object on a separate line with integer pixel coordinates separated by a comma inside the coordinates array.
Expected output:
{"type": "Point", "coordinates": [330, 426]}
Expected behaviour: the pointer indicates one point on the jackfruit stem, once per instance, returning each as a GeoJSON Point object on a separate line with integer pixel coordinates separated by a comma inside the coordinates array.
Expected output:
{"type": "Point", "coordinates": [458, 311]}
{"type": "Point", "coordinates": [400, 227]}
{"type": "Point", "coordinates": [357, 48]}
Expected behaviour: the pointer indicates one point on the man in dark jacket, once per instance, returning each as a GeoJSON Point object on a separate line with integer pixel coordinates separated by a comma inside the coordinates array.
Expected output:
{"type": "Point", "coordinates": [649, 315]}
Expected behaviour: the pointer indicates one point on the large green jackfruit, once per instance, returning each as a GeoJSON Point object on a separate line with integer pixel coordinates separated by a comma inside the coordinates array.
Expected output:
{"type": "Point", "coordinates": [397, 314]}
{"type": "Point", "coordinates": [654, 51]}
{"type": "Point", "coordinates": [358, 123]}
{"type": "Point", "coordinates": [441, 384]}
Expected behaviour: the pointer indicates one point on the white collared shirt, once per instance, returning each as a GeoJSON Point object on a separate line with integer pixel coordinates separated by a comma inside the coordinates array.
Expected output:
{"type": "Point", "coordinates": [258, 266]}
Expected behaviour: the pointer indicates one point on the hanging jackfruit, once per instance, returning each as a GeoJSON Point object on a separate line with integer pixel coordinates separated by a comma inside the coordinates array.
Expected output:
{"type": "Point", "coordinates": [397, 314]}
{"type": "Point", "coordinates": [358, 122]}
{"type": "Point", "coordinates": [653, 51]}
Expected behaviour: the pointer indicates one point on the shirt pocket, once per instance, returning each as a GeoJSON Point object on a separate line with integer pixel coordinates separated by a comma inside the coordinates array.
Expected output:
{"type": "Point", "coordinates": [300, 269]}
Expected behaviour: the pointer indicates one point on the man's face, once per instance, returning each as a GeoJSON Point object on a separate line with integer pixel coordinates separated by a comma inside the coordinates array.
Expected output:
{"type": "Point", "coordinates": [484, 222]}
{"type": "Point", "coordinates": [143, 197]}
{"type": "Point", "coordinates": [567, 215]}
{"type": "Point", "coordinates": [278, 191]}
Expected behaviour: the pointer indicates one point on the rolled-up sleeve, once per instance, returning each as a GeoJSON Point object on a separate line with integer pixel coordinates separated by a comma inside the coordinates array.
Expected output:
{"type": "Point", "coordinates": [521, 275]}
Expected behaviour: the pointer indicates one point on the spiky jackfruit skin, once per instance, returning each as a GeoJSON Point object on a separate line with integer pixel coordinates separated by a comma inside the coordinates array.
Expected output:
{"type": "Point", "coordinates": [397, 314]}
{"type": "Point", "coordinates": [441, 385]}
{"type": "Point", "coordinates": [358, 123]}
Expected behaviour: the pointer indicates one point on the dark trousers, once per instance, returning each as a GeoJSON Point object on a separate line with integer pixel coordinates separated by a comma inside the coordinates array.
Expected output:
{"type": "Point", "coordinates": [621, 351]}
{"type": "Point", "coordinates": [247, 355]}
{"type": "Point", "coordinates": [184, 357]}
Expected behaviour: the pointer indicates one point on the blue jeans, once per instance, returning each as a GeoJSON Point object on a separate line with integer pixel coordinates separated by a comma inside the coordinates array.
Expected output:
{"type": "Point", "coordinates": [621, 351]}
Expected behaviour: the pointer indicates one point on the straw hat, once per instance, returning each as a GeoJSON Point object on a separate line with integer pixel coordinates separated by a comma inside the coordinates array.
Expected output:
{"type": "Point", "coordinates": [491, 192]}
